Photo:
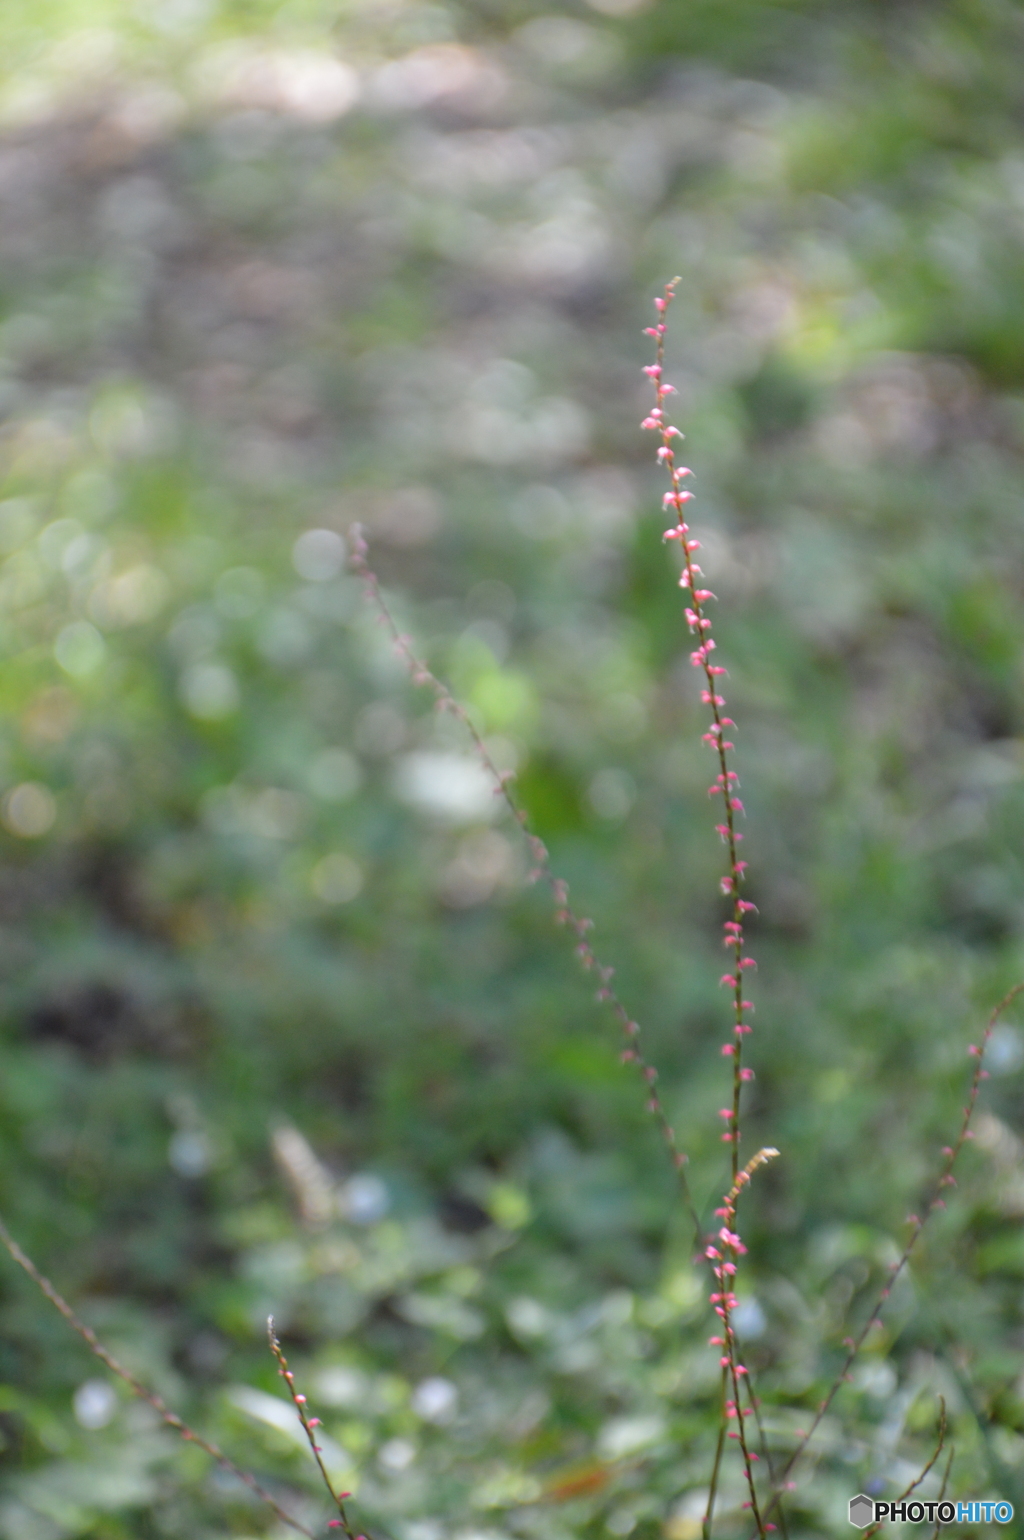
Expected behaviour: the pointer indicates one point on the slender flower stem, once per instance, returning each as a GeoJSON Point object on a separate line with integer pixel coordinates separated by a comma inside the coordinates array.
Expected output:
{"type": "Point", "coordinates": [724, 1250]}
{"type": "Point", "coordinates": [723, 1254]}
{"type": "Point", "coordinates": [565, 915]}
{"type": "Point", "coordinates": [726, 781]}
{"type": "Point", "coordinates": [942, 1489]}
{"type": "Point", "coordinates": [951, 1153]}
{"type": "Point", "coordinates": [309, 1425]}
{"type": "Point", "coordinates": [137, 1388]}
{"type": "Point", "coordinates": [939, 1446]}
{"type": "Point", "coordinates": [709, 1511]}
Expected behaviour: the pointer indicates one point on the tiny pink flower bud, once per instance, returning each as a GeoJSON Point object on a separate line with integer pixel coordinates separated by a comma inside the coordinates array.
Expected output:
{"type": "Point", "coordinates": [746, 1074]}
{"type": "Point", "coordinates": [728, 978]}
{"type": "Point", "coordinates": [728, 1050]}
{"type": "Point", "coordinates": [652, 371]}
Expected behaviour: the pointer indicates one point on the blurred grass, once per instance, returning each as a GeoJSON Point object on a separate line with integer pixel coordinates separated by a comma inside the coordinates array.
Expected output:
{"type": "Point", "coordinates": [391, 264]}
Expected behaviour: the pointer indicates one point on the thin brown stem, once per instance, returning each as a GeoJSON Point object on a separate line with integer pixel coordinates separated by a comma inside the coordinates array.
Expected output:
{"type": "Point", "coordinates": [939, 1446]}
{"type": "Point", "coordinates": [724, 1257]}
{"type": "Point", "coordinates": [309, 1426]}
{"type": "Point", "coordinates": [709, 1511]}
{"type": "Point", "coordinates": [565, 915]}
{"type": "Point", "coordinates": [726, 782]}
{"type": "Point", "coordinates": [136, 1387]}
{"type": "Point", "coordinates": [945, 1179]}
{"type": "Point", "coordinates": [942, 1489]}
{"type": "Point", "coordinates": [724, 1261]}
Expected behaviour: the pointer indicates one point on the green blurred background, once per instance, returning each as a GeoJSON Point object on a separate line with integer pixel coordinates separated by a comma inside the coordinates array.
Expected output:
{"type": "Point", "coordinates": [283, 1025]}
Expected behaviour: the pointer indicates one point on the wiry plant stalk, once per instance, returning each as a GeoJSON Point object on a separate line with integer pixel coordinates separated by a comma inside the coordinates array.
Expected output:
{"type": "Point", "coordinates": [945, 1178]}
{"type": "Point", "coordinates": [137, 1388]}
{"type": "Point", "coordinates": [940, 1444]}
{"type": "Point", "coordinates": [309, 1426]}
{"type": "Point", "coordinates": [942, 1489]}
{"type": "Point", "coordinates": [727, 780]}
{"type": "Point", "coordinates": [578, 925]}
{"type": "Point", "coordinates": [723, 1255]}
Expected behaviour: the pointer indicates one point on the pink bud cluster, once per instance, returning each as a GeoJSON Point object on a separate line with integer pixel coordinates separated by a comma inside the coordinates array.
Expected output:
{"type": "Point", "coordinates": [722, 1251]}
{"type": "Point", "coordinates": [726, 781]}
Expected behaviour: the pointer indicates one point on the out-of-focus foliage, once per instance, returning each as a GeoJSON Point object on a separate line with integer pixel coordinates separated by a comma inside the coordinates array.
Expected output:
{"type": "Point", "coordinates": [284, 1027]}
